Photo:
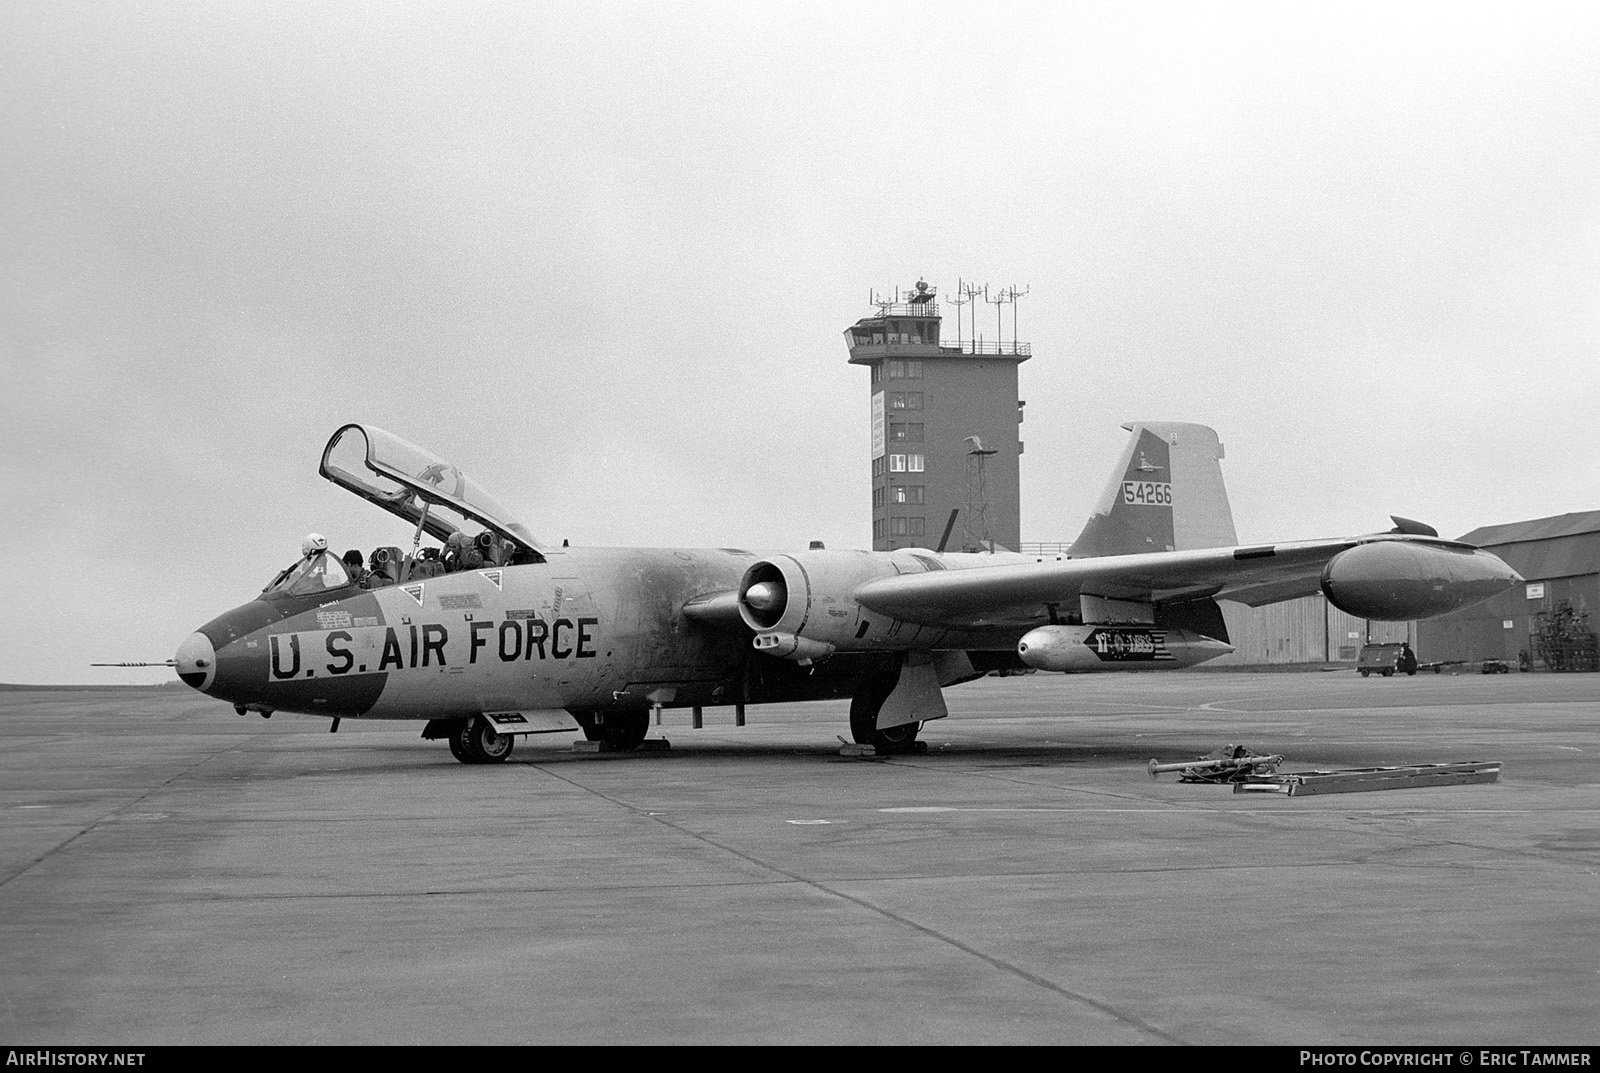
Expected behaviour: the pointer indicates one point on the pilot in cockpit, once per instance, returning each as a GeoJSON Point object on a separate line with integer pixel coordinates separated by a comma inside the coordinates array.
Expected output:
{"type": "Point", "coordinates": [352, 566]}
{"type": "Point", "coordinates": [315, 570]}
{"type": "Point", "coordinates": [493, 549]}
{"type": "Point", "coordinates": [461, 553]}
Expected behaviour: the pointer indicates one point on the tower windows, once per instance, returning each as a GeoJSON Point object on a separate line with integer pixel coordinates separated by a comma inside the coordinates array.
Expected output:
{"type": "Point", "coordinates": [904, 370]}
{"type": "Point", "coordinates": [905, 463]}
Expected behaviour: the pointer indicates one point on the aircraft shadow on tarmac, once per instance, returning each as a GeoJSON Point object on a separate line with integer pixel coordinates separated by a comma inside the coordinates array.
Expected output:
{"type": "Point", "coordinates": [1044, 753]}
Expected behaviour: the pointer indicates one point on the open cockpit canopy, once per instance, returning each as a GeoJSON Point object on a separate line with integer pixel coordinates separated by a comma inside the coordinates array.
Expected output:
{"type": "Point", "coordinates": [412, 484]}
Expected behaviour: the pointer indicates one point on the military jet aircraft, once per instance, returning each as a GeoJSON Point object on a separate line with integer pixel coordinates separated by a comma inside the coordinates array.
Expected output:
{"type": "Point", "coordinates": [506, 636]}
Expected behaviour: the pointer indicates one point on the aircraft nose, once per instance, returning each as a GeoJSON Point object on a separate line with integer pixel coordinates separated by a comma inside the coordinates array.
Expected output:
{"type": "Point", "coordinates": [197, 661]}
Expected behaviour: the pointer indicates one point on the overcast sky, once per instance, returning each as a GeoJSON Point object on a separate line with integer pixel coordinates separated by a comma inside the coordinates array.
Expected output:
{"type": "Point", "coordinates": [601, 256]}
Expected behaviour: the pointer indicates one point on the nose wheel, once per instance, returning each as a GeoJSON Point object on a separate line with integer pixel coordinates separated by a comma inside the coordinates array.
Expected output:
{"type": "Point", "coordinates": [475, 741]}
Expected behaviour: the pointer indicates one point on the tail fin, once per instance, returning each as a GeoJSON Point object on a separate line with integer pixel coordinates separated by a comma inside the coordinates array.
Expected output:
{"type": "Point", "coordinates": [1166, 494]}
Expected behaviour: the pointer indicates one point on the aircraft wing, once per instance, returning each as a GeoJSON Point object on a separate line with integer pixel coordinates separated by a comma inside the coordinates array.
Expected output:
{"type": "Point", "coordinates": [1380, 576]}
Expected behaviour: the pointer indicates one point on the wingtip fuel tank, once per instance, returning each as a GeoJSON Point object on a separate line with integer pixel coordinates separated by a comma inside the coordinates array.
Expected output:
{"type": "Point", "coordinates": [1399, 580]}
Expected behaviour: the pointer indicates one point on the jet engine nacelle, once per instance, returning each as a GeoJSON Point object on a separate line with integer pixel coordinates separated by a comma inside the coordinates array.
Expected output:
{"type": "Point", "coordinates": [802, 608]}
{"type": "Point", "coordinates": [1397, 581]}
{"type": "Point", "coordinates": [1075, 649]}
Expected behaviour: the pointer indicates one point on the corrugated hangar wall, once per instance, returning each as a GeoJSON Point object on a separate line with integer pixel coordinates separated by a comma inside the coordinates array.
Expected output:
{"type": "Point", "coordinates": [1558, 557]}
{"type": "Point", "coordinates": [1308, 630]}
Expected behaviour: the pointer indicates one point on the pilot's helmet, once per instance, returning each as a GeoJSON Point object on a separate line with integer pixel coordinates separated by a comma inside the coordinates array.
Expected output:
{"type": "Point", "coordinates": [457, 539]}
{"type": "Point", "coordinates": [313, 544]}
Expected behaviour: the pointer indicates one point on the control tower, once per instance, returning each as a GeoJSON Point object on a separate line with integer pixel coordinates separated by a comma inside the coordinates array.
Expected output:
{"type": "Point", "coordinates": [944, 425]}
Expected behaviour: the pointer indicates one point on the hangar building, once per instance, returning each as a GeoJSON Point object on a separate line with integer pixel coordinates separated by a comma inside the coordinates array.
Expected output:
{"type": "Point", "coordinates": [1307, 630]}
{"type": "Point", "coordinates": [1559, 558]}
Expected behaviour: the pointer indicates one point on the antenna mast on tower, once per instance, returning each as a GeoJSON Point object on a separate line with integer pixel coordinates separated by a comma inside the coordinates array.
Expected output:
{"type": "Point", "coordinates": [1011, 294]}
{"type": "Point", "coordinates": [966, 299]}
{"type": "Point", "coordinates": [972, 290]}
{"type": "Point", "coordinates": [1004, 296]}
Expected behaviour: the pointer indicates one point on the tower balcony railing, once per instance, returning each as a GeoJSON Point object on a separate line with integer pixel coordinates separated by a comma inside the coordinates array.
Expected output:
{"type": "Point", "coordinates": [970, 346]}
{"type": "Point", "coordinates": [908, 309]}
{"type": "Point", "coordinates": [1045, 547]}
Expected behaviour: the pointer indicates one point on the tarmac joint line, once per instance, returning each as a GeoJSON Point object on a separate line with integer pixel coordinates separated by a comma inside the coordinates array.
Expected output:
{"type": "Point", "coordinates": [862, 903]}
{"type": "Point", "coordinates": [119, 812]}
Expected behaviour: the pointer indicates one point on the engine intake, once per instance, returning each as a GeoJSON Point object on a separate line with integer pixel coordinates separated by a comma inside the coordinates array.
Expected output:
{"type": "Point", "coordinates": [763, 596]}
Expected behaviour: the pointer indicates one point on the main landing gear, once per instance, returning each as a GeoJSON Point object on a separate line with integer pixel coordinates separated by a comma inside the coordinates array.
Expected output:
{"type": "Point", "coordinates": [620, 731]}
{"type": "Point", "coordinates": [475, 741]}
{"type": "Point", "coordinates": [871, 691]}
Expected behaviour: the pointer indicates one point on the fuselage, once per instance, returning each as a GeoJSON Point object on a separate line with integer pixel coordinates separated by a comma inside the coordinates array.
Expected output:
{"type": "Point", "coordinates": [589, 629]}
{"type": "Point", "coordinates": [592, 629]}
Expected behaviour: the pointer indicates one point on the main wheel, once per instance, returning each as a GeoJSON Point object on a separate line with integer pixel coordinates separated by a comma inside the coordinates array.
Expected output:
{"type": "Point", "coordinates": [892, 739]}
{"type": "Point", "coordinates": [458, 746]}
{"type": "Point", "coordinates": [868, 700]}
{"type": "Point", "coordinates": [621, 731]}
{"type": "Point", "coordinates": [1365, 673]}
